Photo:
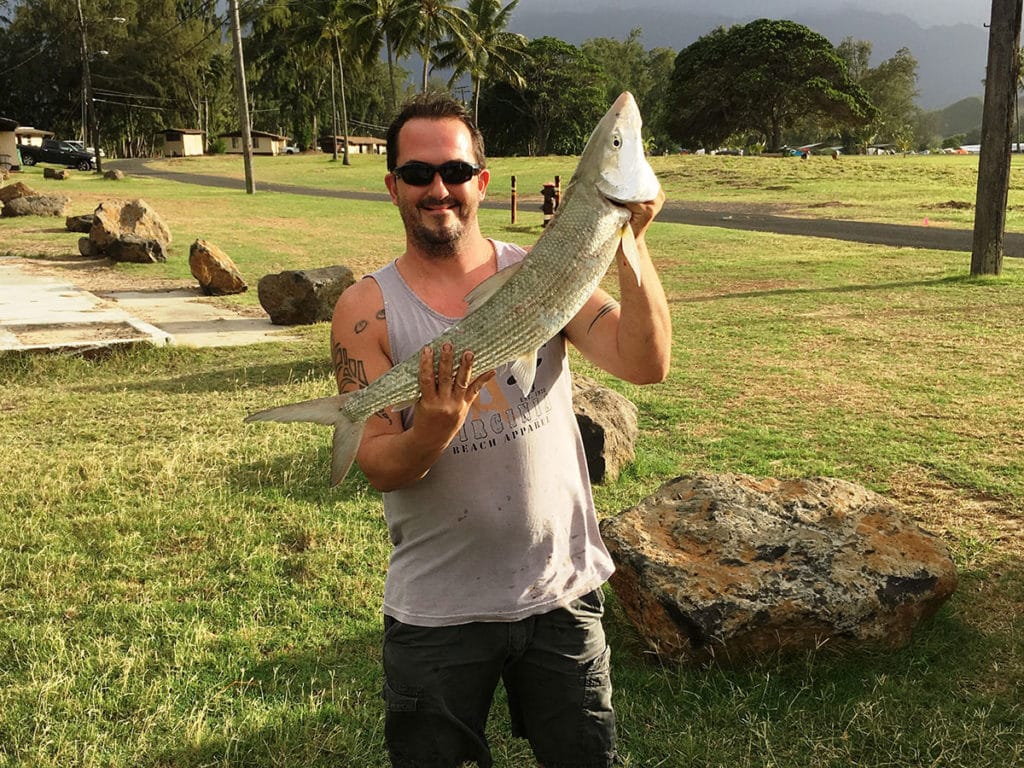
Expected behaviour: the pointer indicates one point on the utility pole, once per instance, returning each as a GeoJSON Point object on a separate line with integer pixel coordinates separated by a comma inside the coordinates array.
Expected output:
{"type": "Point", "coordinates": [93, 129]}
{"type": "Point", "coordinates": [243, 98]}
{"type": "Point", "coordinates": [344, 108]}
{"type": "Point", "coordinates": [1001, 77]}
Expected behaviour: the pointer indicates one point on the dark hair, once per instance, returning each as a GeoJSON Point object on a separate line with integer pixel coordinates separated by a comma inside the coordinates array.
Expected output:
{"type": "Point", "coordinates": [434, 105]}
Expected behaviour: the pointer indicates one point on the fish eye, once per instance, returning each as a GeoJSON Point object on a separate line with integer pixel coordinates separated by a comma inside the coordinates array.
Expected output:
{"type": "Point", "coordinates": [616, 141]}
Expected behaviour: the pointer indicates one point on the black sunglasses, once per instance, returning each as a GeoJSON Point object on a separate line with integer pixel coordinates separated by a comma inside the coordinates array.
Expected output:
{"type": "Point", "coordinates": [420, 174]}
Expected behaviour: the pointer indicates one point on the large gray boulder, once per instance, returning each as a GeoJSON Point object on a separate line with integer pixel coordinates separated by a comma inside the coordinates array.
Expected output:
{"type": "Point", "coordinates": [303, 297]}
{"type": "Point", "coordinates": [729, 567]}
{"type": "Point", "coordinates": [115, 219]}
{"type": "Point", "coordinates": [37, 205]}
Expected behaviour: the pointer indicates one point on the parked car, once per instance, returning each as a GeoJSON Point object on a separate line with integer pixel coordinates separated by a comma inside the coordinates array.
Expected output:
{"type": "Point", "coordinates": [80, 145]}
{"type": "Point", "coordinates": [59, 153]}
{"type": "Point", "coordinates": [291, 149]}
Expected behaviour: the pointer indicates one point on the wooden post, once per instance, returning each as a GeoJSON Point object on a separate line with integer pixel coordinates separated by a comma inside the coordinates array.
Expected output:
{"type": "Point", "coordinates": [513, 199]}
{"type": "Point", "coordinates": [1001, 76]}
{"type": "Point", "coordinates": [243, 99]}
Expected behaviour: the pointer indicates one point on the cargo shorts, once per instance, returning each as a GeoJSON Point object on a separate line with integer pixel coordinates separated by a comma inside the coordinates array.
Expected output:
{"type": "Point", "coordinates": [440, 683]}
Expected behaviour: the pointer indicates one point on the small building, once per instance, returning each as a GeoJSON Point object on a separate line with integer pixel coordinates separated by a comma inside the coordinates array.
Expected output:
{"type": "Point", "coordinates": [359, 145]}
{"type": "Point", "coordinates": [26, 134]}
{"type": "Point", "coordinates": [263, 143]}
{"type": "Point", "coordinates": [183, 142]}
{"type": "Point", "coordinates": [8, 145]}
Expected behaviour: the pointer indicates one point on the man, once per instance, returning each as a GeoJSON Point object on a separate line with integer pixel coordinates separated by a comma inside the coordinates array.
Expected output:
{"type": "Point", "coordinates": [498, 564]}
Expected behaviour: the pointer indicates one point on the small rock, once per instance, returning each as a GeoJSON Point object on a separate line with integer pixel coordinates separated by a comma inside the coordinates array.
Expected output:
{"type": "Point", "coordinates": [215, 271]}
{"type": "Point", "coordinates": [88, 248]}
{"type": "Point", "coordinates": [114, 175]}
{"type": "Point", "coordinates": [17, 189]}
{"type": "Point", "coordinates": [82, 223]}
{"type": "Point", "coordinates": [58, 174]}
{"type": "Point", "coordinates": [135, 249]}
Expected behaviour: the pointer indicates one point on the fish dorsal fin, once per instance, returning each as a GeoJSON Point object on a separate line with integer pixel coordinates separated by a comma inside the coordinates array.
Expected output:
{"type": "Point", "coordinates": [490, 286]}
{"type": "Point", "coordinates": [630, 251]}
{"type": "Point", "coordinates": [524, 370]}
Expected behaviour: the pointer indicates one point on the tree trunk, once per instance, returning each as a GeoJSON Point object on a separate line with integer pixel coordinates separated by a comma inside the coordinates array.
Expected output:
{"type": "Point", "coordinates": [996, 133]}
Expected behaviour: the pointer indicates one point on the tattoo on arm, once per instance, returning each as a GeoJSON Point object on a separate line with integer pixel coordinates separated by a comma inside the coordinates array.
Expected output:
{"type": "Point", "coordinates": [610, 306]}
{"type": "Point", "coordinates": [349, 372]}
{"type": "Point", "coordinates": [360, 326]}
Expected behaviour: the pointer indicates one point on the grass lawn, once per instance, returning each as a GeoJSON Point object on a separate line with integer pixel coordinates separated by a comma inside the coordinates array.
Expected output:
{"type": "Point", "coordinates": [179, 589]}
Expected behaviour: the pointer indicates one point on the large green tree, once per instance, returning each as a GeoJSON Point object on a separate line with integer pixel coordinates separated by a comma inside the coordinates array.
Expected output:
{"type": "Point", "coordinates": [487, 51]}
{"type": "Point", "coordinates": [554, 112]}
{"type": "Point", "coordinates": [625, 65]}
{"type": "Point", "coordinates": [891, 87]}
{"type": "Point", "coordinates": [763, 77]}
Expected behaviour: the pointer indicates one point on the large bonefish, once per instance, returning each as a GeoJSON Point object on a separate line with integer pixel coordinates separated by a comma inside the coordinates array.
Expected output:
{"type": "Point", "coordinates": [514, 312]}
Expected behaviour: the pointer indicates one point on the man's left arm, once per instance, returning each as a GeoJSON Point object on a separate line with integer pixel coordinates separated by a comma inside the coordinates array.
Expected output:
{"type": "Point", "coordinates": [630, 338]}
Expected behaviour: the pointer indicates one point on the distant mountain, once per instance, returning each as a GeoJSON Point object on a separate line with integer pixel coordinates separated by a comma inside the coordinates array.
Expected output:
{"type": "Point", "coordinates": [962, 117]}
{"type": "Point", "coordinates": [951, 59]}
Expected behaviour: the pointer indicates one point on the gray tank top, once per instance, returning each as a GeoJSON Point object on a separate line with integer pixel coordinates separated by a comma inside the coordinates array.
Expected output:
{"type": "Point", "coordinates": [503, 525]}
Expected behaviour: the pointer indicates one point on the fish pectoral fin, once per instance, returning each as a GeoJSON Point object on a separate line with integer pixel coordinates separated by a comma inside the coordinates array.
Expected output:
{"type": "Point", "coordinates": [347, 437]}
{"type": "Point", "coordinates": [630, 251]}
{"type": "Point", "coordinates": [322, 410]}
{"type": "Point", "coordinates": [524, 370]}
{"type": "Point", "coordinates": [490, 286]}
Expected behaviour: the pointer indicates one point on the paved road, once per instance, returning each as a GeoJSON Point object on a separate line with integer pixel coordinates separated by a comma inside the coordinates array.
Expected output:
{"type": "Point", "coordinates": [898, 235]}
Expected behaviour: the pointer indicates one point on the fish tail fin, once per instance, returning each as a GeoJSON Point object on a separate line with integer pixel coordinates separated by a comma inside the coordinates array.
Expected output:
{"type": "Point", "coordinates": [327, 411]}
{"type": "Point", "coordinates": [347, 437]}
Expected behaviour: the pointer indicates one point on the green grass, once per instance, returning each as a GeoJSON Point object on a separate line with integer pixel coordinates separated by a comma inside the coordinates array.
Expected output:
{"type": "Point", "coordinates": [180, 589]}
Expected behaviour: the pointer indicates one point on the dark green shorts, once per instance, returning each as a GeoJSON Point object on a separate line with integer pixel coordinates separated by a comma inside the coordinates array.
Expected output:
{"type": "Point", "coordinates": [439, 683]}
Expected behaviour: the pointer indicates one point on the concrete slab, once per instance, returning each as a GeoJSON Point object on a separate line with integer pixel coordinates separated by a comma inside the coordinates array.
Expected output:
{"type": "Point", "coordinates": [42, 312]}
{"type": "Point", "coordinates": [191, 321]}
{"type": "Point", "coordinates": [39, 313]}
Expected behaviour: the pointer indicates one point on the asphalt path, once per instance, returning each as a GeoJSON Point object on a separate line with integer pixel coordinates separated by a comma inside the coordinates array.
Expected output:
{"type": "Point", "coordinates": [896, 235]}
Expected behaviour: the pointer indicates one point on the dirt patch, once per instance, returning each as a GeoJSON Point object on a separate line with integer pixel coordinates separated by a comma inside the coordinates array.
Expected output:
{"type": "Point", "coordinates": [995, 529]}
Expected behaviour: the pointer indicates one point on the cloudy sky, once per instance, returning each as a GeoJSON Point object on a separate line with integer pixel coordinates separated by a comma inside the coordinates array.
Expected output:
{"type": "Point", "coordinates": [925, 12]}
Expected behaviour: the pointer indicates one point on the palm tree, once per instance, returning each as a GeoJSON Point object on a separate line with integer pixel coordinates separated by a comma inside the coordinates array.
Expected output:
{"type": "Point", "coordinates": [489, 51]}
{"type": "Point", "coordinates": [392, 23]}
{"type": "Point", "coordinates": [437, 20]}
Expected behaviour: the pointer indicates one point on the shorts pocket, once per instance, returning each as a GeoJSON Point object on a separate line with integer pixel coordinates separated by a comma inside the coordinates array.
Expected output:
{"type": "Point", "coordinates": [399, 702]}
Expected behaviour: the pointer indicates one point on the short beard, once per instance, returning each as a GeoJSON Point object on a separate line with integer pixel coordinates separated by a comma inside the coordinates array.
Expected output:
{"type": "Point", "coordinates": [436, 243]}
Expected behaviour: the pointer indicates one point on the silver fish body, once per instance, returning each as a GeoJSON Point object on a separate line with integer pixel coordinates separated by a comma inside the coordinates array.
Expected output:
{"type": "Point", "coordinates": [513, 313]}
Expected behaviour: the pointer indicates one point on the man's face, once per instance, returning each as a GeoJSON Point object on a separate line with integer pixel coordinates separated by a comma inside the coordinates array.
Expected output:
{"type": "Point", "coordinates": [437, 216]}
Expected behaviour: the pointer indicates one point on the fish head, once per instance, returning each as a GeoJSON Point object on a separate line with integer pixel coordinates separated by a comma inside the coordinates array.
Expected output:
{"type": "Point", "coordinates": [614, 159]}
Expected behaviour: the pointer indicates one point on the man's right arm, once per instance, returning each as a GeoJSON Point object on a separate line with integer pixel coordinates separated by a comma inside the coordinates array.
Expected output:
{"type": "Point", "coordinates": [392, 457]}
